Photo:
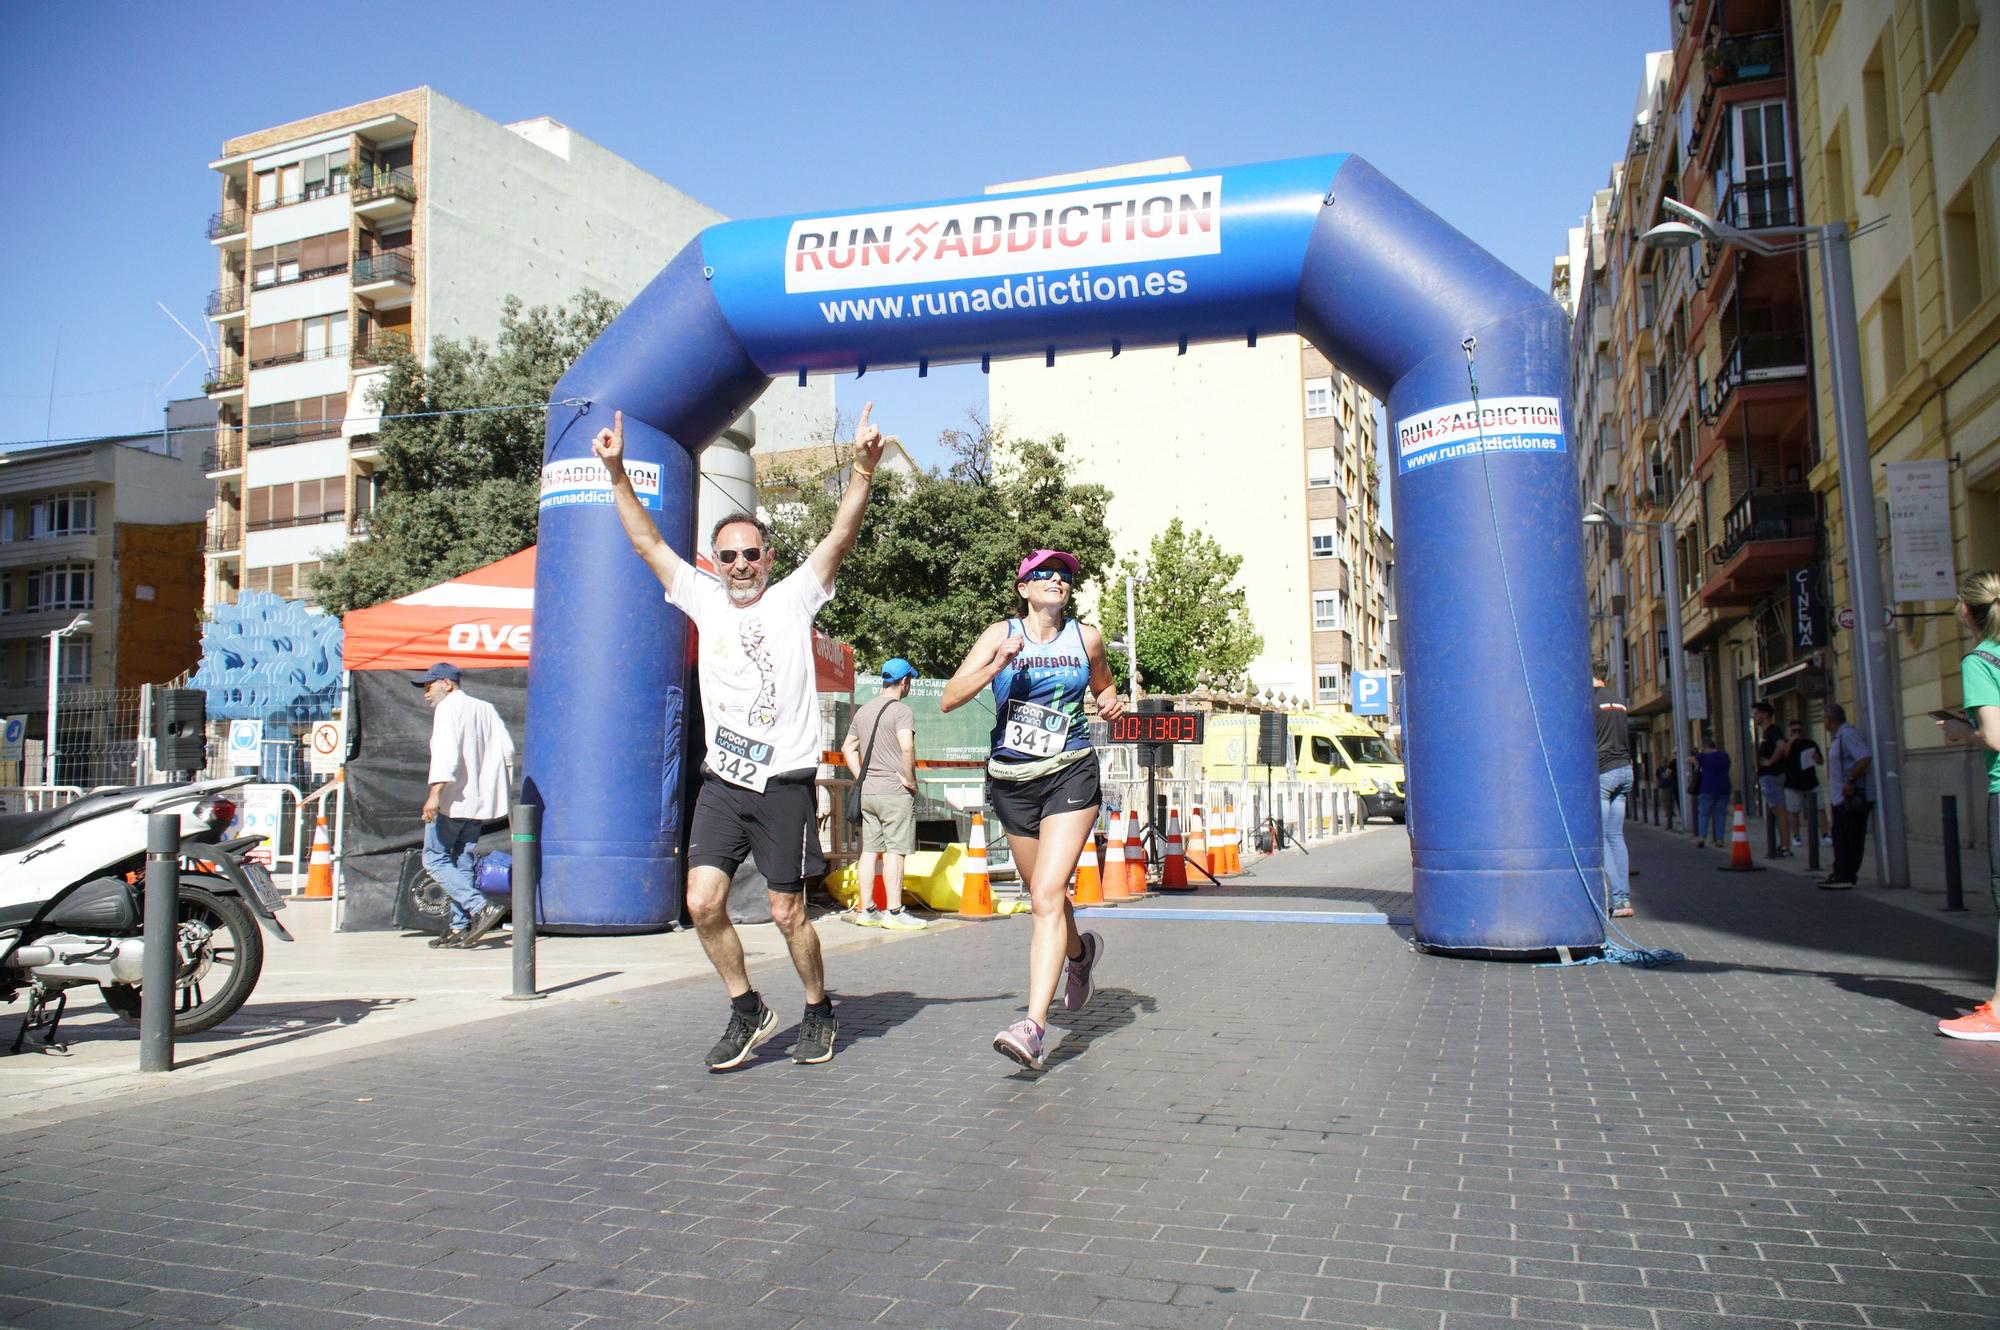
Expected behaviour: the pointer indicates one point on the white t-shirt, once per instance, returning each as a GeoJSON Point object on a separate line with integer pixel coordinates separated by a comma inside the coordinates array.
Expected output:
{"type": "Point", "coordinates": [758, 705]}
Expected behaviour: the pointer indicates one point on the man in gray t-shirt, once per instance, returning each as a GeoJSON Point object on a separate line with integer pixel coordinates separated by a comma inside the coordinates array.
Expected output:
{"type": "Point", "coordinates": [883, 736]}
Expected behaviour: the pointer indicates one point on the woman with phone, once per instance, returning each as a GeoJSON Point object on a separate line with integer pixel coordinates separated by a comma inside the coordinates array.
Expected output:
{"type": "Point", "coordinates": [1978, 610]}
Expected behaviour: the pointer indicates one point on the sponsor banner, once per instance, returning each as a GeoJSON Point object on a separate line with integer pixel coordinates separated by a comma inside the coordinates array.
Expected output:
{"type": "Point", "coordinates": [1468, 429]}
{"type": "Point", "coordinates": [505, 639]}
{"type": "Point", "coordinates": [1124, 222]}
{"type": "Point", "coordinates": [584, 480]}
{"type": "Point", "coordinates": [1129, 263]}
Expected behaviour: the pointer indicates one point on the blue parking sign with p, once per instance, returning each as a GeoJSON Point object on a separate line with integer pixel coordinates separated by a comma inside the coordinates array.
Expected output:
{"type": "Point", "coordinates": [1371, 692]}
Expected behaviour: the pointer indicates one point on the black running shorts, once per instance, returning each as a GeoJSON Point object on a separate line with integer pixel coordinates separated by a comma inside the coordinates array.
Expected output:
{"type": "Point", "coordinates": [1020, 805]}
{"type": "Point", "coordinates": [778, 828]}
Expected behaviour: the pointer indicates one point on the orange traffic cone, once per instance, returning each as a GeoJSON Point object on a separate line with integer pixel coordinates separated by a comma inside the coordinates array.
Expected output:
{"type": "Point", "coordinates": [881, 891]}
{"type": "Point", "coordinates": [1173, 869]}
{"type": "Point", "coordinates": [1117, 882]}
{"type": "Point", "coordinates": [1198, 853]}
{"type": "Point", "coordinates": [319, 877]}
{"type": "Point", "coordinates": [1089, 887]}
{"type": "Point", "coordinates": [1739, 846]}
{"type": "Point", "coordinates": [1232, 843]}
{"type": "Point", "coordinates": [975, 896]}
{"type": "Point", "coordinates": [1135, 856]}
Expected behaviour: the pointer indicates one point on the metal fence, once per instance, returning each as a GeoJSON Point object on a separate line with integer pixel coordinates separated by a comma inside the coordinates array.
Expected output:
{"type": "Point", "coordinates": [102, 735]}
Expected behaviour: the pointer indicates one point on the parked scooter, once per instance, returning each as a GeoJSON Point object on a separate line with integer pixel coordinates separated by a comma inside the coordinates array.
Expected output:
{"type": "Point", "coordinates": [72, 905]}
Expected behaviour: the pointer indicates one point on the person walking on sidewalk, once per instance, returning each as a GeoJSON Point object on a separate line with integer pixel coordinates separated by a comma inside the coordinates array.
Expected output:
{"type": "Point", "coordinates": [1041, 777]}
{"type": "Point", "coordinates": [1848, 761]}
{"type": "Point", "coordinates": [1773, 752]}
{"type": "Point", "coordinates": [888, 795]}
{"type": "Point", "coordinates": [1803, 760]}
{"type": "Point", "coordinates": [1711, 794]}
{"type": "Point", "coordinates": [1979, 677]}
{"type": "Point", "coordinates": [1614, 786]}
{"type": "Point", "coordinates": [470, 753]}
{"type": "Point", "coordinates": [757, 798]}
{"type": "Point", "coordinates": [1670, 791]}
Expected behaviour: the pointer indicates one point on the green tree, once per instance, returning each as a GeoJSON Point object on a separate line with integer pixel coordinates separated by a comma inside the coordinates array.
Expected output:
{"type": "Point", "coordinates": [459, 491]}
{"type": "Point", "coordinates": [1192, 619]}
{"type": "Point", "coordinates": [935, 560]}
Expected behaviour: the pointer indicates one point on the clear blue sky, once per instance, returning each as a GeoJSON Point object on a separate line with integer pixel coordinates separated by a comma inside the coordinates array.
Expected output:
{"type": "Point", "coordinates": [1502, 117]}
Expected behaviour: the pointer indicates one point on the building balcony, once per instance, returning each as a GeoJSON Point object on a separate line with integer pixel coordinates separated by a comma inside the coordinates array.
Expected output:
{"type": "Point", "coordinates": [380, 345]}
{"type": "Point", "coordinates": [337, 351]}
{"type": "Point", "coordinates": [386, 280]}
{"type": "Point", "coordinates": [223, 456]}
{"type": "Point", "coordinates": [224, 537]}
{"type": "Point", "coordinates": [1735, 67]}
{"type": "Point", "coordinates": [1764, 537]}
{"type": "Point", "coordinates": [299, 519]}
{"type": "Point", "coordinates": [226, 381]}
{"type": "Point", "coordinates": [225, 304]}
{"type": "Point", "coordinates": [228, 227]}
{"type": "Point", "coordinates": [383, 195]}
{"type": "Point", "coordinates": [1758, 369]}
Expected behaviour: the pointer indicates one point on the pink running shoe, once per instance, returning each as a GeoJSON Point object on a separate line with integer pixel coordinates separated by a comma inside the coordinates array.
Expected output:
{"type": "Point", "coordinates": [1021, 1041]}
{"type": "Point", "coordinates": [1981, 1023]}
{"type": "Point", "coordinates": [1077, 985]}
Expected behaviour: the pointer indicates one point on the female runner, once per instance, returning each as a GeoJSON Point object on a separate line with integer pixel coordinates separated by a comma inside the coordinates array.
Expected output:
{"type": "Point", "coordinates": [1041, 778]}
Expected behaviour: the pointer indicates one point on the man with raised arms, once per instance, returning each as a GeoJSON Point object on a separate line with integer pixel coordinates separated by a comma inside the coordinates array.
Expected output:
{"type": "Point", "coordinates": [761, 719]}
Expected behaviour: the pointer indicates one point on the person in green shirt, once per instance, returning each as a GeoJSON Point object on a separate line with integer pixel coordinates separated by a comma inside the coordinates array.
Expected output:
{"type": "Point", "coordinates": [1979, 673]}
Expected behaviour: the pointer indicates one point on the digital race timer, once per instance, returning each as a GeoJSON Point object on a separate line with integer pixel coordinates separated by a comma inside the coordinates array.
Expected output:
{"type": "Point", "coordinates": [1158, 727]}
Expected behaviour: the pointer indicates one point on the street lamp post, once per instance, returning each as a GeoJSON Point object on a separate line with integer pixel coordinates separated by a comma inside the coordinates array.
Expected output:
{"type": "Point", "coordinates": [1131, 644]}
{"type": "Point", "coordinates": [76, 625]}
{"type": "Point", "coordinates": [1670, 573]}
{"type": "Point", "coordinates": [1857, 492]}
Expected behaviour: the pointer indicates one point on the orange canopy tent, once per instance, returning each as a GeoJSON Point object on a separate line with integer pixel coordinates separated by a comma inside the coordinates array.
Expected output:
{"type": "Point", "coordinates": [482, 620]}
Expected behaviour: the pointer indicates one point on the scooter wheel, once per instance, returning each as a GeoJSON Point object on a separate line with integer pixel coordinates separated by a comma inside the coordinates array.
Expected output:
{"type": "Point", "coordinates": [218, 981]}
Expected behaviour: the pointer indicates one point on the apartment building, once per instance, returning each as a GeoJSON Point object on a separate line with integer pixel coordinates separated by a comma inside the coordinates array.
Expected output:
{"type": "Point", "coordinates": [1899, 130]}
{"type": "Point", "coordinates": [1693, 395]}
{"type": "Point", "coordinates": [1268, 449]}
{"type": "Point", "coordinates": [107, 531]}
{"type": "Point", "coordinates": [384, 225]}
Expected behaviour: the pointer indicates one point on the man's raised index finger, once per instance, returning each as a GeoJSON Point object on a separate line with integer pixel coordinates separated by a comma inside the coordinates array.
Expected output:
{"type": "Point", "coordinates": [862, 423]}
{"type": "Point", "coordinates": [618, 424]}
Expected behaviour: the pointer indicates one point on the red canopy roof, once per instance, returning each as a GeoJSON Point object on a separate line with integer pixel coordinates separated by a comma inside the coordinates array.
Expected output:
{"type": "Point", "coordinates": [481, 621]}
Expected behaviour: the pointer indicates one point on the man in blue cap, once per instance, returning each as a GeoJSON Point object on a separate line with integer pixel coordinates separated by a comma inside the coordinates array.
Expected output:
{"type": "Point", "coordinates": [881, 751]}
{"type": "Point", "coordinates": [470, 753]}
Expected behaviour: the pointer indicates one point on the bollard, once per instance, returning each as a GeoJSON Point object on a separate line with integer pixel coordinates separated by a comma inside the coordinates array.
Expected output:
{"type": "Point", "coordinates": [1954, 883]}
{"type": "Point", "coordinates": [525, 824]}
{"type": "Point", "coordinates": [1812, 831]}
{"type": "Point", "coordinates": [157, 990]}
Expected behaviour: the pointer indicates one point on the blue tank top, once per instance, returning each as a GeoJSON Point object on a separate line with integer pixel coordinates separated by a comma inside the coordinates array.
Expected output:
{"type": "Point", "coordinates": [1038, 697]}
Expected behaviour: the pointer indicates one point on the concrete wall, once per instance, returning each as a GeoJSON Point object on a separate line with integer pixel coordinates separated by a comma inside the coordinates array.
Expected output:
{"type": "Point", "coordinates": [157, 589]}
{"type": "Point", "coordinates": [540, 212]}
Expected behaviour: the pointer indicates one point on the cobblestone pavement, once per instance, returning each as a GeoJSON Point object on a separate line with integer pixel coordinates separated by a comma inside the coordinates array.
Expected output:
{"type": "Point", "coordinates": [1253, 1126]}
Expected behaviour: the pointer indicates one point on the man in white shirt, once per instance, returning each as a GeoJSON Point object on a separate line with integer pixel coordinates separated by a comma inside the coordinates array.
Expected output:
{"type": "Point", "coordinates": [761, 720]}
{"type": "Point", "coordinates": [470, 753]}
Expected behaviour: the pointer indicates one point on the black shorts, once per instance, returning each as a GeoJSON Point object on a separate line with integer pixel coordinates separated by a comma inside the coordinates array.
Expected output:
{"type": "Point", "coordinates": [1020, 805]}
{"type": "Point", "coordinates": [778, 828]}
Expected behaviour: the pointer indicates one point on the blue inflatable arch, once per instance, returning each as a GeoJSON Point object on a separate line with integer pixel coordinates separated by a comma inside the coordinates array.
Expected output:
{"type": "Point", "coordinates": [1470, 359]}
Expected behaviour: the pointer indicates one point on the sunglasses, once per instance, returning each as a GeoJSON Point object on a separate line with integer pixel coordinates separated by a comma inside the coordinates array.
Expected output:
{"type": "Point", "coordinates": [1047, 574]}
{"type": "Point", "coordinates": [750, 555]}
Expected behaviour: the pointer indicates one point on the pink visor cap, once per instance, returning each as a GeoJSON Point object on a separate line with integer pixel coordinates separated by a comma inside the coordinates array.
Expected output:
{"type": "Point", "coordinates": [1040, 557]}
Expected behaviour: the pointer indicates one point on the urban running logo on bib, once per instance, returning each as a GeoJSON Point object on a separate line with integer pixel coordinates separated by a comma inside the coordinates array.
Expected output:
{"type": "Point", "coordinates": [981, 240]}
{"type": "Point", "coordinates": [1467, 429]}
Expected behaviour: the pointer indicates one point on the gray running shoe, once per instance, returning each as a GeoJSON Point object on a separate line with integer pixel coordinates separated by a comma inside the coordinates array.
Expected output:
{"type": "Point", "coordinates": [816, 1035]}
{"type": "Point", "coordinates": [741, 1037]}
{"type": "Point", "coordinates": [1077, 983]}
{"type": "Point", "coordinates": [1022, 1042]}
